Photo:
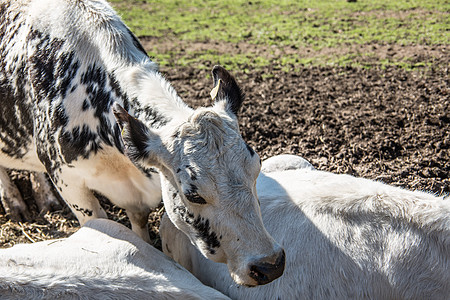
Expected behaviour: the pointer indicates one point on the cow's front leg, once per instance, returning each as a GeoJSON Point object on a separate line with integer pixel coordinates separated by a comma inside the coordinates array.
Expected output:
{"type": "Point", "coordinates": [139, 221]}
{"type": "Point", "coordinates": [77, 195]}
{"type": "Point", "coordinates": [113, 175]}
{"type": "Point", "coordinates": [11, 198]}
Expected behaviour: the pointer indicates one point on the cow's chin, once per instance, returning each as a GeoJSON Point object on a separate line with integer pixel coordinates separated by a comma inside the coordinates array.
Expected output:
{"type": "Point", "coordinates": [217, 255]}
{"type": "Point", "coordinates": [241, 277]}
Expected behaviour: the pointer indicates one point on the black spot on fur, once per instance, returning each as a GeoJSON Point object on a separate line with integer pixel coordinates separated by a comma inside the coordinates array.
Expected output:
{"type": "Point", "coordinates": [193, 189]}
{"type": "Point", "coordinates": [66, 70]}
{"type": "Point", "coordinates": [60, 117]}
{"type": "Point", "coordinates": [16, 121]}
{"type": "Point", "coordinates": [75, 143]}
{"type": "Point", "coordinates": [176, 134]}
{"type": "Point", "coordinates": [136, 42]}
{"type": "Point", "coordinates": [84, 211]}
{"type": "Point", "coordinates": [15, 132]}
{"type": "Point", "coordinates": [148, 171]}
{"type": "Point", "coordinates": [252, 152]}
{"type": "Point", "coordinates": [193, 196]}
{"type": "Point", "coordinates": [118, 92]}
{"type": "Point", "coordinates": [153, 118]}
{"type": "Point", "coordinates": [201, 226]}
{"type": "Point", "coordinates": [74, 87]}
{"type": "Point", "coordinates": [99, 93]}
{"type": "Point", "coordinates": [86, 104]}
{"type": "Point", "coordinates": [192, 173]}
{"type": "Point", "coordinates": [46, 65]}
{"type": "Point", "coordinates": [203, 229]}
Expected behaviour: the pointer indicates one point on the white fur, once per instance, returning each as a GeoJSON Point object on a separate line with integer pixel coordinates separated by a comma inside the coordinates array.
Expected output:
{"type": "Point", "coordinates": [344, 237]}
{"type": "Point", "coordinates": [103, 260]}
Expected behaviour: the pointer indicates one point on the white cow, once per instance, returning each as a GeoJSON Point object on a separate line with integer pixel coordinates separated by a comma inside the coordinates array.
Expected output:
{"type": "Point", "coordinates": [102, 260]}
{"type": "Point", "coordinates": [64, 65]}
{"type": "Point", "coordinates": [344, 237]}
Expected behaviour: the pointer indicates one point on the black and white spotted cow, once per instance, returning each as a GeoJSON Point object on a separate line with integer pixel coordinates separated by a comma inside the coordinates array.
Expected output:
{"type": "Point", "coordinates": [64, 65]}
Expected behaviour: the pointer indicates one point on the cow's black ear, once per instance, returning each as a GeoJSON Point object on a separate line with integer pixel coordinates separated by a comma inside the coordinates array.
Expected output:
{"type": "Point", "coordinates": [226, 89]}
{"type": "Point", "coordinates": [142, 144]}
{"type": "Point", "coordinates": [136, 136]}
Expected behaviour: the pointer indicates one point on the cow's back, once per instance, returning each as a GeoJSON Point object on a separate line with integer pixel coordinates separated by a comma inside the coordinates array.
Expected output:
{"type": "Point", "coordinates": [102, 260]}
{"type": "Point", "coordinates": [58, 79]}
{"type": "Point", "coordinates": [16, 126]}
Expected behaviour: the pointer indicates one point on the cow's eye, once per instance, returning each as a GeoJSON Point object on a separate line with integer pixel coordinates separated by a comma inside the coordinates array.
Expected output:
{"type": "Point", "coordinates": [195, 198]}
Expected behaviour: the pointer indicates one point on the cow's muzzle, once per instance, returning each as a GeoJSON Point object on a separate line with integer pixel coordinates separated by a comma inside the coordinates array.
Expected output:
{"type": "Point", "coordinates": [264, 271]}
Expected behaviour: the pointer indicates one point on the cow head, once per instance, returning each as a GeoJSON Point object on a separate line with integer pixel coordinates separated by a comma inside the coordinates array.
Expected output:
{"type": "Point", "coordinates": [209, 182]}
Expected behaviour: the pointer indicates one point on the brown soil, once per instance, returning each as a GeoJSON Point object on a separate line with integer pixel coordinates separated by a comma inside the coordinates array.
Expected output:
{"type": "Point", "coordinates": [385, 124]}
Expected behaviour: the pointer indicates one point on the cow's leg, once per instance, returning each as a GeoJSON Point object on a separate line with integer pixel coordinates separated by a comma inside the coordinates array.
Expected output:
{"type": "Point", "coordinates": [12, 199]}
{"type": "Point", "coordinates": [139, 223]}
{"type": "Point", "coordinates": [123, 190]}
{"type": "Point", "coordinates": [113, 175]}
{"type": "Point", "coordinates": [42, 193]}
{"type": "Point", "coordinates": [77, 195]}
{"type": "Point", "coordinates": [82, 202]}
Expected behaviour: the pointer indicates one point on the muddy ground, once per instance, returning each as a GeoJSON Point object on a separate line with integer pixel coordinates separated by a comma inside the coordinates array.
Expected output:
{"type": "Point", "coordinates": [385, 124]}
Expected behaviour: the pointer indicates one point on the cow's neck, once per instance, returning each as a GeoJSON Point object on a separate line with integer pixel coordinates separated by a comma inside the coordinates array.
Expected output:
{"type": "Point", "coordinates": [151, 98]}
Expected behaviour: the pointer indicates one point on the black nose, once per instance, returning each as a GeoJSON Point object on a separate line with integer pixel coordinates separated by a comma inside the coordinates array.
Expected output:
{"type": "Point", "coordinates": [264, 272]}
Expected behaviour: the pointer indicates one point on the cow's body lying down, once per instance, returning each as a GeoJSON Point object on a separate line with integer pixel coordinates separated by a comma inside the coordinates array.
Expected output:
{"type": "Point", "coordinates": [103, 260]}
{"type": "Point", "coordinates": [64, 66]}
{"type": "Point", "coordinates": [344, 237]}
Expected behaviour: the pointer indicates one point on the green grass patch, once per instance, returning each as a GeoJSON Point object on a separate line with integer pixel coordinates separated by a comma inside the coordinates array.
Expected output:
{"type": "Point", "coordinates": [316, 24]}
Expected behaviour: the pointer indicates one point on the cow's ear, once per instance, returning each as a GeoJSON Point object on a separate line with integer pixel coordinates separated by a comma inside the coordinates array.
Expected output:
{"type": "Point", "coordinates": [226, 89]}
{"type": "Point", "coordinates": [141, 144]}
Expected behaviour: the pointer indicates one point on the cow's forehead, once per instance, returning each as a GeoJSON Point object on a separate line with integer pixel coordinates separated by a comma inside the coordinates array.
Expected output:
{"type": "Point", "coordinates": [235, 165]}
{"type": "Point", "coordinates": [210, 146]}
{"type": "Point", "coordinates": [208, 134]}
{"type": "Point", "coordinates": [229, 153]}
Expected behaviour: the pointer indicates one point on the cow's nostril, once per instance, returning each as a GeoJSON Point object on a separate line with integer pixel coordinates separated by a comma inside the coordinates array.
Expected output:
{"type": "Point", "coordinates": [263, 272]}
{"type": "Point", "coordinates": [257, 272]}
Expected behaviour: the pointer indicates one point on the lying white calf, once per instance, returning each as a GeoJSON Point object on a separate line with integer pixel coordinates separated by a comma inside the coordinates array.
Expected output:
{"type": "Point", "coordinates": [103, 260]}
{"type": "Point", "coordinates": [344, 237]}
